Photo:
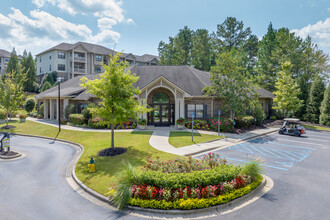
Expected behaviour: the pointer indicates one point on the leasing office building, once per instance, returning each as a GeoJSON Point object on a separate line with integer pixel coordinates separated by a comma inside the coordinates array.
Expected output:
{"type": "Point", "coordinates": [172, 92]}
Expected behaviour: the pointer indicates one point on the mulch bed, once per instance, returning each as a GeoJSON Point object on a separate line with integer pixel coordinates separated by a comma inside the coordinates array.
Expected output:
{"type": "Point", "coordinates": [113, 151]}
{"type": "Point", "coordinates": [8, 153]}
{"type": "Point", "coordinates": [8, 127]}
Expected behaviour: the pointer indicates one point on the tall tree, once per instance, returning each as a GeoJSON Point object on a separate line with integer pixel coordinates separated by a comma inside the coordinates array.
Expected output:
{"type": "Point", "coordinates": [201, 51]}
{"type": "Point", "coordinates": [182, 43]}
{"type": "Point", "coordinates": [11, 90]}
{"type": "Point", "coordinates": [12, 65]}
{"type": "Point", "coordinates": [116, 91]}
{"type": "Point", "coordinates": [314, 101]}
{"type": "Point", "coordinates": [267, 63]}
{"type": "Point", "coordinates": [30, 85]}
{"type": "Point", "coordinates": [231, 34]}
{"type": "Point", "coordinates": [287, 92]}
{"type": "Point", "coordinates": [230, 84]}
{"type": "Point", "coordinates": [325, 108]}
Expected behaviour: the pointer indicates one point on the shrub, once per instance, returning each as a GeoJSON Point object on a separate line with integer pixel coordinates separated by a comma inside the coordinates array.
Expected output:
{"type": "Point", "coordinates": [226, 124]}
{"type": "Point", "coordinates": [252, 169]}
{"type": "Point", "coordinates": [141, 121]}
{"type": "Point", "coordinates": [69, 109]}
{"type": "Point", "coordinates": [240, 121]}
{"type": "Point", "coordinates": [63, 121]}
{"type": "Point", "coordinates": [40, 116]}
{"type": "Point", "coordinates": [41, 109]}
{"type": "Point", "coordinates": [259, 113]}
{"type": "Point", "coordinates": [22, 116]}
{"type": "Point", "coordinates": [34, 114]}
{"type": "Point", "coordinates": [29, 105]}
{"type": "Point", "coordinates": [87, 114]}
{"type": "Point", "coordinates": [192, 179]}
{"type": "Point", "coordinates": [76, 119]}
{"type": "Point", "coordinates": [194, 202]}
{"type": "Point", "coordinates": [181, 121]}
{"type": "Point", "coordinates": [97, 123]}
{"type": "Point", "coordinates": [273, 117]}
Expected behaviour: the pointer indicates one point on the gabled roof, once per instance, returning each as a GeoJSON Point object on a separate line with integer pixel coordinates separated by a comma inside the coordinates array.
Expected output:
{"type": "Point", "coordinates": [186, 78]}
{"type": "Point", "coordinates": [4, 53]}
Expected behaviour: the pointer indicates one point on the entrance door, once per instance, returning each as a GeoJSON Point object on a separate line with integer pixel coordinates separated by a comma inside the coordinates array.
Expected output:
{"type": "Point", "coordinates": [161, 115]}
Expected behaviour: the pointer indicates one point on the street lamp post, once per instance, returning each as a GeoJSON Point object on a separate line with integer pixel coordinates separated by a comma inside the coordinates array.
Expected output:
{"type": "Point", "coordinates": [59, 80]}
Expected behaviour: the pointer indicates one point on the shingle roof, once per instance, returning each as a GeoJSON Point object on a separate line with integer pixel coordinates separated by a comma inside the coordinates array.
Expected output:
{"type": "Point", "coordinates": [97, 49]}
{"type": "Point", "coordinates": [4, 53]}
{"type": "Point", "coordinates": [186, 78]}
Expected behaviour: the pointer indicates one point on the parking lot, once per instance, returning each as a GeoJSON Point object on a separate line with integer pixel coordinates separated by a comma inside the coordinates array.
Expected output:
{"type": "Point", "coordinates": [300, 169]}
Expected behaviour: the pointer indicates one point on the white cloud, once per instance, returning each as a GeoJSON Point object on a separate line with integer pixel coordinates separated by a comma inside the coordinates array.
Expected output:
{"type": "Point", "coordinates": [42, 30]}
{"type": "Point", "coordinates": [98, 8]}
{"type": "Point", "coordinates": [320, 32]}
{"type": "Point", "coordinates": [106, 23]}
{"type": "Point", "coordinates": [130, 21]}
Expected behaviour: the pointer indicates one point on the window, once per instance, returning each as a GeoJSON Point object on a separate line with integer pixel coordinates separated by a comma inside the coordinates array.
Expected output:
{"type": "Point", "coordinates": [0, 59]}
{"type": "Point", "coordinates": [50, 67]}
{"type": "Point", "coordinates": [61, 55]}
{"type": "Point", "coordinates": [200, 111]}
{"type": "Point", "coordinates": [97, 69]}
{"type": "Point", "coordinates": [160, 98]}
{"type": "Point", "coordinates": [6, 59]}
{"type": "Point", "coordinates": [50, 56]}
{"type": "Point", "coordinates": [61, 67]}
{"type": "Point", "coordinates": [98, 58]}
{"type": "Point", "coordinates": [40, 70]}
{"type": "Point", "coordinates": [40, 59]}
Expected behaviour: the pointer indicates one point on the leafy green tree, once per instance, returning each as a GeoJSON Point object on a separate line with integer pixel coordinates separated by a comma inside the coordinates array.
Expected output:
{"type": "Point", "coordinates": [29, 65]}
{"type": "Point", "coordinates": [12, 65]}
{"type": "Point", "coordinates": [201, 51]}
{"type": "Point", "coordinates": [167, 53]}
{"type": "Point", "coordinates": [315, 99]}
{"type": "Point", "coordinates": [325, 108]}
{"type": "Point", "coordinates": [287, 92]}
{"type": "Point", "coordinates": [230, 84]}
{"type": "Point", "coordinates": [11, 91]}
{"type": "Point", "coordinates": [115, 89]}
{"type": "Point", "coordinates": [45, 86]}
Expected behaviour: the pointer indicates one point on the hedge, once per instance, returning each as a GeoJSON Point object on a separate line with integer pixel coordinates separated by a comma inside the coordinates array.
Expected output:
{"type": "Point", "coordinates": [194, 203]}
{"type": "Point", "coordinates": [76, 119]}
{"type": "Point", "coordinates": [202, 178]}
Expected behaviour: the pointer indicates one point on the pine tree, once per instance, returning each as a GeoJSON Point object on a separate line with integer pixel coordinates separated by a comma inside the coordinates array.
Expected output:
{"type": "Point", "coordinates": [12, 65]}
{"type": "Point", "coordinates": [325, 108]}
{"type": "Point", "coordinates": [287, 92]}
{"type": "Point", "coordinates": [201, 51]}
{"type": "Point", "coordinates": [28, 64]}
{"type": "Point", "coordinates": [315, 99]}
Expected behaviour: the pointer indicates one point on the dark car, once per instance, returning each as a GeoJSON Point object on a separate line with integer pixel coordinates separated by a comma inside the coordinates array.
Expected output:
{"type": "Point", "coordinates": [291, 126]}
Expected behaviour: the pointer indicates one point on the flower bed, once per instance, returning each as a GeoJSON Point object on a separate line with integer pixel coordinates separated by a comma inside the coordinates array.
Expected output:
{"type": "Point", "coordinates": [187, 183]}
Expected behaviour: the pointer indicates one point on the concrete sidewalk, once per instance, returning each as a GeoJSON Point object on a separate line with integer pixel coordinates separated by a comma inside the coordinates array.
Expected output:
{"type": "Point", "coordinates": [159, 141]}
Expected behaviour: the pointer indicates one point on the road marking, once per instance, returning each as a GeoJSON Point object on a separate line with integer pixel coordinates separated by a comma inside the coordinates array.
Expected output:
{"type": "Point", "coordinates": [287, 145]}
{"type": "Point", "coordinates": [284, 154]}
{"type": "Point", "coordinates": [247, 148]}
{"type": "Point", "coordinates": [244, 161]}
{"type": "Point", "coordinates": [304, 142]}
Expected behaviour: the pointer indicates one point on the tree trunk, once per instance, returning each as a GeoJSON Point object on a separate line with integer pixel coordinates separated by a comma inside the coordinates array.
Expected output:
{"type": "Point", "coordinates": [112, 136]}
{"type": "Point", "coordinates": [7, 118]}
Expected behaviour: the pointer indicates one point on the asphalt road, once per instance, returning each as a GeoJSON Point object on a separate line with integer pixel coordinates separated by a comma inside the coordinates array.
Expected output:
{"type": "Point", "coordinates": [300, 168]}
{"type": "Point", "coordinates": [35, 187]}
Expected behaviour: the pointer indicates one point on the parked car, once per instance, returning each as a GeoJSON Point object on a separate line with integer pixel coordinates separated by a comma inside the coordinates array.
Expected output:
{"type": "Point", "coordinates": [291, 126]}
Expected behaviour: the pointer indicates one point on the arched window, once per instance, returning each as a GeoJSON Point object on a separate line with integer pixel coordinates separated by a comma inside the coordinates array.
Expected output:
{"type": "Point", "coordinates": [160, 98]}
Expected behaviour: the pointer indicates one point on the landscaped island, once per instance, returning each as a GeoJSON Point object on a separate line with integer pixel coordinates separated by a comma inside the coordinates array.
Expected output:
{"type": "Point", "coordinates": [186, 183]}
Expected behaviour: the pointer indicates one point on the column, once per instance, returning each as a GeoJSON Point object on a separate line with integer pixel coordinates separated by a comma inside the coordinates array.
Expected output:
{"type": "Point", "coordinates": [46, 108]}
{"type": "Point", "coordinates": [212, 107]}
{"type": "Point", "coordinates": [51, 109]}
{"type": "Point", "coordinates": [182, 115]}
{"type": "Point", "coordinates": [86, 61]}
{"type": "Point", "coordinates": [72, 64]}
{"type": "Point", "coordinates": [57, 111]}
{"type": "Point", "coordinates": [177, 115]}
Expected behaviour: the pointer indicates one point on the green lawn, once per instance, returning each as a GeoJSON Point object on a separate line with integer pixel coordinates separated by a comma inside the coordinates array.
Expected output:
{"type": "Point", "coordinates": [107, 169]}
{"type": "Point", "coordinates": [183, 138]}
{"type": "Point", "coordinates": [317, 127]}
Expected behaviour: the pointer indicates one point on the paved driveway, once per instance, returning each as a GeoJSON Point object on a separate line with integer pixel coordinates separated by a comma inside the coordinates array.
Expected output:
{"type": "Point", "coordinates": [35, 186]}
{"type": "Point", "coordinates": [300, 168]}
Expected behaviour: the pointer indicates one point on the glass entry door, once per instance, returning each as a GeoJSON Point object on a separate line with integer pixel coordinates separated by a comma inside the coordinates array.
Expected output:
{"type": "Point", "coordinates": [161, 115]}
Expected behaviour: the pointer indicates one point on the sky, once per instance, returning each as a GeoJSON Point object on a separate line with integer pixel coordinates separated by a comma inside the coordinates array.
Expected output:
{"type": "Point", "coordinates": [137, 26]}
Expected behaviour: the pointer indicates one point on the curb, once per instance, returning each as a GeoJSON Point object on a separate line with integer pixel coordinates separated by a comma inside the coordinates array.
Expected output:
{"type": "Point", "coordinates": [71, 171]}
{"type": "Point", "coordinates": [11, 157]}
{"type": "Point", "coordinates": [241, 201]}
{"type": "Point", "coordinates": [214, 148]}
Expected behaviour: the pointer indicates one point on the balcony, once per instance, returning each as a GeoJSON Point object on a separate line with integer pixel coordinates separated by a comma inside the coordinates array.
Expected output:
{"type": "Point", "coordinates": [79, 59]}
{"type": "Point", "coordinates": [79, 70]}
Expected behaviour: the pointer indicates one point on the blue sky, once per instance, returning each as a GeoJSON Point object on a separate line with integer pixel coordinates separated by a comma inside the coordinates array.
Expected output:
{"type": "Point", "coordinates": [137, 26]}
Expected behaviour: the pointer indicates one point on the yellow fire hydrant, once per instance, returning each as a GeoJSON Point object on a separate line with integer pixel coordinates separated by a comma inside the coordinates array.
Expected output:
{"type": "Point", "coordinates": [91, 165]}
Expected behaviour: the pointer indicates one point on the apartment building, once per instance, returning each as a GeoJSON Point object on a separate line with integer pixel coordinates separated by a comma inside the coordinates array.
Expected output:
{"type": "Point", "coordinates": [72, 60]}
{"type": "Point", "coordinates": [4, 59]}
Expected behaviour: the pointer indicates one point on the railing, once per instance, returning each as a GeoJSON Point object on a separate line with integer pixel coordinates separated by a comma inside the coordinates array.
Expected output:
{"type": "Point", "coordinates": [79, 70]}
{"type": "Point", "coordinates": [79, 59]}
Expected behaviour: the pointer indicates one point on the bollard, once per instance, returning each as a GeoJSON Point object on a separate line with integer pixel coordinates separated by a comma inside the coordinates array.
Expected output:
{"type": "Point", "coordinates": [91, 165]}
{"type": "Point", "coordinates": [234, 126]}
